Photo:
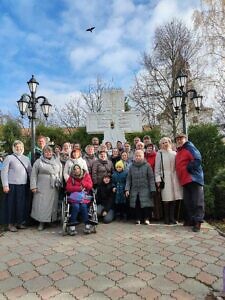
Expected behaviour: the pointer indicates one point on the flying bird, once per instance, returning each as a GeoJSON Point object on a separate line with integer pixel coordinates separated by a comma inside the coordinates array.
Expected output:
{"type": "Point", "coordinates": [90, 29]}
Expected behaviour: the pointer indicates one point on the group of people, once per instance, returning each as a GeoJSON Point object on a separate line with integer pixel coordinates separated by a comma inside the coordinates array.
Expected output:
{"type": "Point", "coordinates": [129, 181]}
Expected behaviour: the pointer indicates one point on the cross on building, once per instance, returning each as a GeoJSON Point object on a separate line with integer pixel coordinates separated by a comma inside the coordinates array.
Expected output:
{"type": "Point", "coordinates": [113, 121]}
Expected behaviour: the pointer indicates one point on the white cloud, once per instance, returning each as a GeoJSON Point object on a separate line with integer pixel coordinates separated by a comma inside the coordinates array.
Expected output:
{"type": "Point", "coordinates": [119, 60]}
{"type": "Point", "coordinates": [82, 56]}
{"type": "Point", "coordinates": [123, 8]}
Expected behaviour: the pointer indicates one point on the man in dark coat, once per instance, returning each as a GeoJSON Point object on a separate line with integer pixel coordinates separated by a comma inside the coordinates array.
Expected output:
{"type": "Point", "coordinates": [190, 174]}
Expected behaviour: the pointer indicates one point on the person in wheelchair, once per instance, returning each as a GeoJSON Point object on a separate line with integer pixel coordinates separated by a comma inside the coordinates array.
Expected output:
{"type": "Point", "coordinates": [78, 186]}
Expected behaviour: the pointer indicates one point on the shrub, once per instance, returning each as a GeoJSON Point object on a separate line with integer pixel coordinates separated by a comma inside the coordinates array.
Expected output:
{"type": "Point", "coordinates": [208, 140]}
{"type": "Point", "coordinates": [217, 187]}
{"type": "Point", "coordinates": [209, 202]}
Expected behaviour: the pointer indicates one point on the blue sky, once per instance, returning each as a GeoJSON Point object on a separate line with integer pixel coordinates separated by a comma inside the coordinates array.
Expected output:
{"type": "Point", "coordinates": [49, 39]}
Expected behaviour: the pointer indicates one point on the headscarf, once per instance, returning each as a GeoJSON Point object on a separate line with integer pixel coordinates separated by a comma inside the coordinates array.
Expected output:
{"type": "Point", "coordinates": [16, 142]}
{"type": "Point", "coordinates": [73, 171]}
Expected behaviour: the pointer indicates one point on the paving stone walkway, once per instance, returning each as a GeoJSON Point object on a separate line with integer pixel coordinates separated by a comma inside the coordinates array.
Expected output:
{"type": "Point", "coordinates": [120, 261]}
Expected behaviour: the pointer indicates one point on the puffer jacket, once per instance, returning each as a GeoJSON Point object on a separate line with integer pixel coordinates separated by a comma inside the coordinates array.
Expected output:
{"type": "Point", "coordinates": [100, 168]}
{"type": "Point", "coordinates": [188, 164]}
{"type": "Point", "coordinates": [140, 182]}
{"type": "Point", "coordinates": [119, 182]}
{"type": "Point", "coordinates": [79, 184]}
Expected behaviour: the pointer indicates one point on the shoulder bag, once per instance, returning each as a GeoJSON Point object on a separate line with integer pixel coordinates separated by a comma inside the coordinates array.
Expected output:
{"type": "Point", "coordinates": [162, 183]}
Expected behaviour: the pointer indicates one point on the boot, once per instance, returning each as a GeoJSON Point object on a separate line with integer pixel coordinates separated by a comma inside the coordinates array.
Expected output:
{"type": "Point", "coordinates": [166, 213]}
{"type": "Point", "coordinates": [41, 226]}
{"type": "Point", "coordinates": [87, 228]}
{"type": "Point", "coordinates": [197, 227]}
{"type": "Point", "coordinates": [72, 230]}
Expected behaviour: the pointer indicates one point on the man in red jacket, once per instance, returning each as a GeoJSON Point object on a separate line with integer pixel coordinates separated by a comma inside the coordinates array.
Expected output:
{"type": "Point", "coordinates": [190, 174]}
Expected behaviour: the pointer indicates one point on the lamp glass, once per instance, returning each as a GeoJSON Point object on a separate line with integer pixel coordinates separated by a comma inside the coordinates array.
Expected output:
{"type": "Point", "coordinates": [29, 112]}
{"type": "Point", "coordinates": [197, 102]}
{"type": "Point", "coordinates": [177, 100]}
{"type": "Point", "coordinates": [45, 107]}
{"type": "Point", "coordinates": [32, 83]}
{"type": "Point", "coordinates": [23, 104]}
{"type": "Point", "coordinates": [181, 79]}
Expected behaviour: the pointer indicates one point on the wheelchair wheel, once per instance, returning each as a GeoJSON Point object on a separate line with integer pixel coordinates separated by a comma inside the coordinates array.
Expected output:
{"type": "Point", "coordinates": [64, 229]}
{"type": "Point", "coordinates": [94, 229]}
{"type": "Point", "coordinates": [64, 219]}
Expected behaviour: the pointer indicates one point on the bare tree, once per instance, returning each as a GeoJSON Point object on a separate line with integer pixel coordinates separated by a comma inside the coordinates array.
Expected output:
{"type": "Point", "coordinates": [93, 96]}
{"type": "Point", "coordinates": [71, 115]}
{"type": "Point", "coordinates": [209, 21]}
{"type": "Point", "coordinates": [175, 47]}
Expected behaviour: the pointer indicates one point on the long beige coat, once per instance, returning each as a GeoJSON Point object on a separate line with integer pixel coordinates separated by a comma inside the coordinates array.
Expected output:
{"type": "Point", "coordinates": [43, 177]}
{"type": "Point", "coordinates": [173, 190]}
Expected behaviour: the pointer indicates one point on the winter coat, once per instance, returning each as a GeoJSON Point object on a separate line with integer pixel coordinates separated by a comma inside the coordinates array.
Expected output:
{"type": "Point", "coordinates": [105, 196]}
{"type": "Point", "coordinates": [140, 181]}
{"type": "Point", "coordinates": [78, 184]}
{"type": "Point", "coordinates": [150, 158]}
{"type": "Point", "coordinates": [101, 168]}
{"type": "Point", "coordinates": [89, 160]}
{"type": "Point", "coordinates": [44, 176]}
{"type": "Point", "coordinates": [172, 190]}
{"type": "Point", "coordinates": [70, 163]}
{"type": "Point", "coordinates": [119, 182]}
{"type": "Point", "coordinates": [188, 164]}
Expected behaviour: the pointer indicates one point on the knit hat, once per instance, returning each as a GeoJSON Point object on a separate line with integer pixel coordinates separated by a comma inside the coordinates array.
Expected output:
{"type": "Point", "coordinates": [119, 164]}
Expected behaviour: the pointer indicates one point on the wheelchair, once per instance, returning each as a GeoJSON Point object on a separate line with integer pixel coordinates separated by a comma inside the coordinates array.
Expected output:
{"type": "Point", "coordinates": [92, 213]}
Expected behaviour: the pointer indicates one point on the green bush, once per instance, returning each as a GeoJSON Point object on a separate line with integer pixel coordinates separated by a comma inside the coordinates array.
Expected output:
{"type": "Point", "coordinates": [209, 202]}
{"type": "Point", "coordinates": [217, 188]}
{"type": "Point", "coordinates": [209, 142]}
{"type": "Point", "coordinates": [154, 134]}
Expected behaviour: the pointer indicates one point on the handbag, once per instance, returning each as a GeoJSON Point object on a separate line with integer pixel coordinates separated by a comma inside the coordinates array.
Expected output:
{"type": "Point", "coordinates": [79, 197]}
{"type": "Point", "coordinates": [58, 183]}
{"type": "Point", "coordinates": [162, 183]}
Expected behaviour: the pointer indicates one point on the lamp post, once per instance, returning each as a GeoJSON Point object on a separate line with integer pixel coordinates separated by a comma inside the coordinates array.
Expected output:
{"type": "Point", "coordinates": [180, 97]}
{"type": "Point", "coordinates": [28, 105]}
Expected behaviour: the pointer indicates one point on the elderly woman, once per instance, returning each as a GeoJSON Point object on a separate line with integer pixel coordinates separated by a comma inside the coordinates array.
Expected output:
{"type": "Point", "coordinates": [46, 178]}
{"type": "Point", "coordinates": [75, 158]}
{"type": "Point", "coordinates": [150, 156]}
{"type": "Point", "coordinates": [165, 169]}
{"type": "Point", "coordinates": [14, 175]}
{"type": "Point", "coordinates": [101, 167]}
{"type": "Point", "coordinates": [65, 153]}
{"type": "Point", "coordinates": [140, 186]}
{"type": "Point", "coordinates": [89, 157]}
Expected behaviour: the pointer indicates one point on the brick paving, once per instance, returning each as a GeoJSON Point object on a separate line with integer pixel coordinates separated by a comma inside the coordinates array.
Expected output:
{"type": "Point", "coordinates": [121, 261]}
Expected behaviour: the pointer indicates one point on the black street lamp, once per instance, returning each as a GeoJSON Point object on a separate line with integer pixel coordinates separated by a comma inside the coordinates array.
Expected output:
{"type": "Point", "coordinates": [180, 96]}
{"type": "Point", "coordinates": [27, 105]}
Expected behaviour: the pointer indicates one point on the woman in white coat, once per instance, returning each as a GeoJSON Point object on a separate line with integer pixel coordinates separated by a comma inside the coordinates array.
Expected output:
{"type": "Point", "coordinates": [165, 167]}
{"type": "Point", "coordinates": [46, 178]}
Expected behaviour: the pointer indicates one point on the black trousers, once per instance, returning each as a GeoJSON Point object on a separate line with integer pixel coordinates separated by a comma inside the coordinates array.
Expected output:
{"type": "Point", "coordinates": [194, 208]}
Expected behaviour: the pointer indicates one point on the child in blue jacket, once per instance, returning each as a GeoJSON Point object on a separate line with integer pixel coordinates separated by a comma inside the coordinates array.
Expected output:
{"type": "Point", "coordinates": [118, 184]}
